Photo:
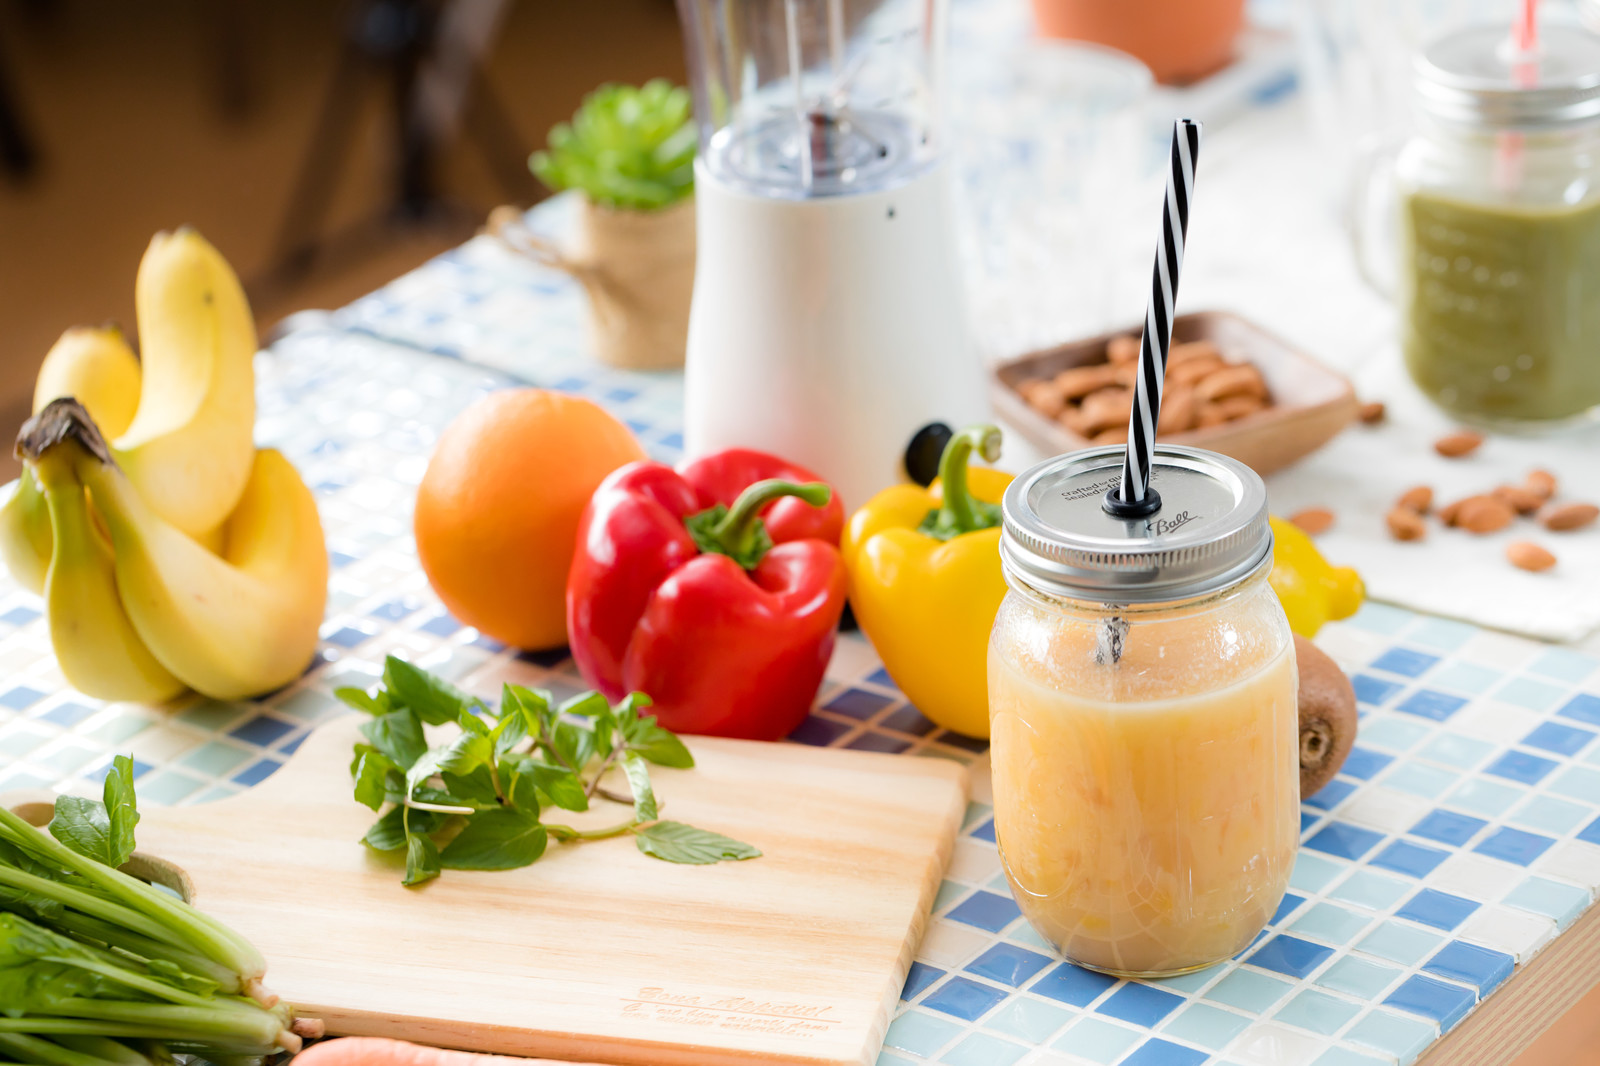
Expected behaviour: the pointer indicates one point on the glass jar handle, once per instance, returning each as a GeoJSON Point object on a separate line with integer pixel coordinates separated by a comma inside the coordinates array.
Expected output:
{"type": "Point", "coordinates": [1372, 214]}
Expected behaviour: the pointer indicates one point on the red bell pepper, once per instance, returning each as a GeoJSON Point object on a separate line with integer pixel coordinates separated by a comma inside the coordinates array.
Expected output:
{"type": "Point", "coordinates": [715, 589]}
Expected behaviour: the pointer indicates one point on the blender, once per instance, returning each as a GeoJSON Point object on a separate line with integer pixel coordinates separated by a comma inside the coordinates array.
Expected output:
{"type": "Point", "coordinates": [828, 323]}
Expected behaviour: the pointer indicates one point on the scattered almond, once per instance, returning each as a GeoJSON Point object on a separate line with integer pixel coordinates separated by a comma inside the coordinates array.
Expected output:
{"type": "Point", "coordinates": [1241, 380]}
{"type": "Point", "coordinates": [1371, 412]}
{"type": "Point", "coordinates": [1419, 499]}
{"type": "Point", "coordinates": [1484, 514]}
{"type": "Point", "coordinates": [1542, 482]}
{"type": "Point", "coordinates": [1314, 520]}
{"type": "Point", "coordinates": [1178, 409]}
{"type": "Point", "coordinates": [1562, 518]}
{"type": "Point", "coordinates": [1406, 524]}
{"type": "Point", "coordinates": [1077, 382]}
{"type": "Point", "coordinates": [1106, 408]}
{"type": "Point", "coordinates": [1526, 555]}
{"type": "Point", "coordinates": [1451, 511]}
{"type": "Point", "coordinates": [1456, 445]}
{"type": "Point", "coordinates": [1124, 349]}
{"type": "Point", "coordinates": [1522, 499]}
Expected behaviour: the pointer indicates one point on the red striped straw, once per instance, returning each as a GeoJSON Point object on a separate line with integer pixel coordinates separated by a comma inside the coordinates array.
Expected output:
{"type": "Point", "coordinates": [1525, 70]}
{"type": "Point", "coordinates": [1134, 497]}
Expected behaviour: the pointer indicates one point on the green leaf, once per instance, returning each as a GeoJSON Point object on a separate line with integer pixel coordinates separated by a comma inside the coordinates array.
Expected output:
{"type": "Point", "coordinates": [676, 842]}
{"type": "Point", "coordinates": [587, 704]}
{"type": "Point", "coordinates": [84, 826]}
{"type": "Point", "coordinates": [389, 832]}
{"type": "Point", "coordinates": [561, 785]}
{"type": "Point", "coordinates": [422, 859]}
{"type": "Point", "coordinates": [435, 700]}
{"type": "Point", "coordinates": [496, 840]}
{"type": "Point", "coordinates": [122, 806]}
{"type": "Point", "coordinates": [477, 787]}
{"type": "Point", "coordinates": [509, 731]}
{"type": "Point", "coordinates": [661, 746]}
{"type": "Point", "coordinates": [362, 701]}
{"type": "Point", "coordinates": [373, 778]}
{"type": "Point", "coordinates": [471, 723]}
{"type": "Point", "coordinates": [466, 753]}
{"type": "Point", "coordinates": [644, 797]}
{"type": "Point", "coordinates": [398, 735]}
{"type": "Point", "coordinates": [176, 975]}
{"type": "Point", "coordinates": [524, 793]}
{"type": "Point", "coordinates": [573, 744]}
{"type": "Point", "coordinates": [532, 703]}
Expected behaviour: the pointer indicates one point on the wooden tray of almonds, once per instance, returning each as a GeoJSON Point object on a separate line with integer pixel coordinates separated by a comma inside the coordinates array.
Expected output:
{"type": "Point", "coordinates": [1231, 387]}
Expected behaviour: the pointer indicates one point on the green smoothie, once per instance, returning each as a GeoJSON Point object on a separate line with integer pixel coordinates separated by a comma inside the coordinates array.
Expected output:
{"type": "Point", "coordinates": [1500, 307]}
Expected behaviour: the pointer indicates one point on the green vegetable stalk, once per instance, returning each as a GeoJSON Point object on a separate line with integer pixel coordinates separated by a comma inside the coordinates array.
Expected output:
{"type": "Point", "coordinates": [625, 147]}
{"type": "Point", "coordinates": [92, 958]}
{"type": "Point", "coordinates": [476, 801]}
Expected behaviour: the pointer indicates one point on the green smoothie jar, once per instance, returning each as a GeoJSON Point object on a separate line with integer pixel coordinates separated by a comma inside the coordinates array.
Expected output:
{"type": "Point", "coordinates": [1498, 283]}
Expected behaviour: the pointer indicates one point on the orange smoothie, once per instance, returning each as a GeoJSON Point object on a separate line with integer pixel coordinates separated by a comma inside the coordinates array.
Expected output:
{"type": "Point", "coordinates": [1147, 810]}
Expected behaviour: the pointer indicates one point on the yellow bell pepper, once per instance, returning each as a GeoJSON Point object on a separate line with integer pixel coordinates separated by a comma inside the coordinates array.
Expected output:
{"type": "Point", "coordinates": [1311, 591]}
{"type": "Point", "coordinates": [925, 581]}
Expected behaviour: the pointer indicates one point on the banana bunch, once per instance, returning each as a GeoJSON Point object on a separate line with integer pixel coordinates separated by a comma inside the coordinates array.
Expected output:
{"type": "Point", "coordinates": [170, 552]}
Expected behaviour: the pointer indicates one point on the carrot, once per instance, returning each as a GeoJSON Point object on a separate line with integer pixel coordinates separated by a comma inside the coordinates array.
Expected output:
{"type": "Point", "coordinates": [376, 1051]}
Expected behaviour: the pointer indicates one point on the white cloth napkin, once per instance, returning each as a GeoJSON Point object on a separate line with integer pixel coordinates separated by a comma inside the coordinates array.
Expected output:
{"type": "Point", "coordinates": [1361, 472]}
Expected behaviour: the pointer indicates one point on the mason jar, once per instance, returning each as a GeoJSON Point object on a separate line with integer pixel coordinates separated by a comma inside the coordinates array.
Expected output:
{"type": "Point", "coordinates": [1143, 715]}
{"type": "Point", "coordinates": [1498, 282]}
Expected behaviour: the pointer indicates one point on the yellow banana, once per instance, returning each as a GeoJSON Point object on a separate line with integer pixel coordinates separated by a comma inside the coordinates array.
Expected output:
{"type": "Point", "coordinates": [190, 447]}
{"type": "Point", "coordinates": [25, 533]}
{"type": "Point", "coordinates": [97, 367]}
{"type": "Point", "coordinates": [96, 646]}
{"type": "Point", "coordinates": [228, 626]}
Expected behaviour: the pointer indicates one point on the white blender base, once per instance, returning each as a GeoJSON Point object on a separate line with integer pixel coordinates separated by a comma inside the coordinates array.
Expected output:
{"type": "Point", "coordinates": [828, 331]}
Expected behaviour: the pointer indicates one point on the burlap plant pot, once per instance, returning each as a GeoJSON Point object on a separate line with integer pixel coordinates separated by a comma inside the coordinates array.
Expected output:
{"type": "Point", "coordinates": [638, 270]}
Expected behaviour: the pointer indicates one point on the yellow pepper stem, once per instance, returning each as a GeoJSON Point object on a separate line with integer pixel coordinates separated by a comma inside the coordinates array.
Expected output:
{"type": "Point", "coordinates": [961, 511]}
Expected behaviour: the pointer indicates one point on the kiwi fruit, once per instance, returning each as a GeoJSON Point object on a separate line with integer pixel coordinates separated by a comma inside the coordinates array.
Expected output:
{"type": "Point", "coordinates": [1327, 716]}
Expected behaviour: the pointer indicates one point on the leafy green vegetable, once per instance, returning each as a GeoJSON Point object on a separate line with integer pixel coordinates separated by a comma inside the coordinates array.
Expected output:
{"type": "Point", "coordinates": [677, 842]}
{"type": "Point", "coordinates": [625, 147]}
{"type": "Point", "coordinates": [476, 799]}
{"type": "Point", "coordinates": [91, 957]}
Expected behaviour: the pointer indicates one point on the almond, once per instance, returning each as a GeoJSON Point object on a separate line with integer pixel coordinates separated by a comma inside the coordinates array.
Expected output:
{"type": "Point", "coordinates": [1236, 407]}
{"type": "Point", "coordinates": [1113, 435]}
{"type": "Point", "coordinates": [1542, 482]}
{"type": "Point", "coordinates": [1522, 499]}
{"type": "Point", "coordinates": [1178, 410]}
{"type": "Point", "coordinates": [1079, 381]}
{"type": "Point", "coordinates": [1106, 408]}
{"type": "Point", "coordinates": [1406, 524]}
{"type": "Point", "coordinates": [1044, 397]}
{"type": "Point", "coordinates": [1458, 444]}
{"type": "Point", "coordinates": [1124, 349]}
{"type": "Point", "coordinates": [1526, 555]}
{"type": "Point", "coordinates": [1313, 520]}
{"type": "Point", "coordinates": [1419, 499]}
{"type": "Point", "coordinates": [1561, 518]}
{"type": "Point", "coordinates": [1238, 380]}
{"type": "Point", "coordinates": [1126, 374]}
{"type": "Point", "coordinates": [1484, 514]}
{"type": "Point", "coordinates": [1179, 354]}
{"type": "Point", "coordinates": [1371, 413]}
{"type": "Point", "coordinates": [1191, 372]}
{"type": "Point", "coordinates": [1071, 419]}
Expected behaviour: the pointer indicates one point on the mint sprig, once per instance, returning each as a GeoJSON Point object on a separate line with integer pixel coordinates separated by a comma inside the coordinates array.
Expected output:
{"type": "Point", "coordinates": [476, 800]}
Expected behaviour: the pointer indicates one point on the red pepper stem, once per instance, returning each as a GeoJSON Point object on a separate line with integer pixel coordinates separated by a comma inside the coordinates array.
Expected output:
{"type": "Point", "coordinates": [959, 511]}
{"type": "Point", "coordinates": [738, 529]}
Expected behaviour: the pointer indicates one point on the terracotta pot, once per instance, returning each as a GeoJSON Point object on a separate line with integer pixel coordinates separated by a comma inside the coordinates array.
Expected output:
{"type": "Point", "coordinates": [638, 270]}
{"type": "Point", "coordinates": [1179, 40]}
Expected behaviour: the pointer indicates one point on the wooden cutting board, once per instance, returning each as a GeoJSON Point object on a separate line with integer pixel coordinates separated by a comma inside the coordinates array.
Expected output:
{"type": "Point", "coordinates": [596, 952]}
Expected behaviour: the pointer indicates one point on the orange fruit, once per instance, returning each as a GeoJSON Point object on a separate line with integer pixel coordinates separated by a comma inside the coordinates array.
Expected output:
{"type": "Point", "coordinates": [497, 511]}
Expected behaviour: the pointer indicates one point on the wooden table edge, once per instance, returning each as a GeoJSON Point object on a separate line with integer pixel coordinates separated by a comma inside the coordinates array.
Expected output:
{"type": "Point", "coordinates": [1533, 999]}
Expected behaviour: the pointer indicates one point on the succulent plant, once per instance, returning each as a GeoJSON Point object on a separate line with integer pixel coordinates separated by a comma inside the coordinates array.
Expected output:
{"type": "Point", "coordinates": [626, 147]}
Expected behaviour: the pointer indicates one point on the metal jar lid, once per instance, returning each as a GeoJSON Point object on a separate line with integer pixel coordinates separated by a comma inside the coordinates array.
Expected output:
{"type": "Point", "coordinates": [1471, 77]}
{"type": "Point", "coordinates": [1211, 531]}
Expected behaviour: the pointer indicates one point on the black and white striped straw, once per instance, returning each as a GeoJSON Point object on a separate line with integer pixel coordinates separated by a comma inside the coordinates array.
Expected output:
{"type": "Point", "coordinates": [1134, 495]}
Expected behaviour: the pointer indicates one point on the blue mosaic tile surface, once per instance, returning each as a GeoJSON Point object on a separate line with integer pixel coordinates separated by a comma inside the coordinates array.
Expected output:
{"type": "Point", "coordinates": [1461, 838]}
